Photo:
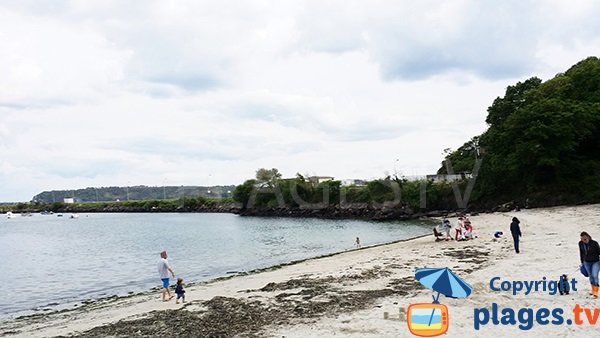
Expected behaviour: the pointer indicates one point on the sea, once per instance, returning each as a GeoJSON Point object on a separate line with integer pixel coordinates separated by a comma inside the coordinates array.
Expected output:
{"type": "Point", "coordinates": [49, 262]}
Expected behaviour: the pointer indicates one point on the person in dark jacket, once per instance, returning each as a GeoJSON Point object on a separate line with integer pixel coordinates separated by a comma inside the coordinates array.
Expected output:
{"type": "Point", "coordinates": [179, 291]}
{"type": "Point", "coordinates": [589, 254]}
{"type": "Point", "coordinates": [515, 230]}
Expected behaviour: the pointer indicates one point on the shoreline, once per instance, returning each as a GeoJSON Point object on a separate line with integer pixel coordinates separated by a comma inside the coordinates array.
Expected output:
{"type": "Point", "coordinates": [346, 294]}
{"type": "Point", "coordinates": [80, 305]}
{"type": "Point", "coordinates": [49, 309]}
{"type": "Point", "coordinates": [367, 214]}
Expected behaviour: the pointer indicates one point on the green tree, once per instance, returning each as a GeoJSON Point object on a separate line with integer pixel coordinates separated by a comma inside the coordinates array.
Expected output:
{"type": "Point", "coordinates": [543, 139]}
{"type": "Point", "coordinates": [242, 192]}
{"type": "Point", "coordinates": [267, 177]}
{"type": "Point", "coordinates": [463, 159]}
{"type": "Point", "coordinates": [328, 191]}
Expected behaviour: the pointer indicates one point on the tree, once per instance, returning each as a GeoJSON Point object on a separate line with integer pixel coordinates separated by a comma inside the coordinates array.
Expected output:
{"type": "Point", "coordinates": [267, 177]}
{"type": "Point", "coordinates": [463, 159]}
{"type": "Point", "coordinates": [515, 97]}
{"type": "Point", "coordinates": [543, 139]}
{"type": "Point", "coordinates": [242, 192]}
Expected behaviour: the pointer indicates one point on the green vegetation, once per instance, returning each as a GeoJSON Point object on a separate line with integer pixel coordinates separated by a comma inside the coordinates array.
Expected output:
{"type": "Point", "coordinates": [183, 204]}
{"type": "Point", "coordinates": [542, 146]}
{"type": "Point", "coordinates": [137, 193]}
{"type": "Point", "coordinates": [301, 192]}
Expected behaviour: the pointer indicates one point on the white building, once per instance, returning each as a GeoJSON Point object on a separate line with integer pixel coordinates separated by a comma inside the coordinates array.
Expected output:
{"type": "Point", "coordinates": [353, 182]}
{"type": "Point", "coordinates": [316, 180]}
{"type": "Point", "coordinates": [449, 178]}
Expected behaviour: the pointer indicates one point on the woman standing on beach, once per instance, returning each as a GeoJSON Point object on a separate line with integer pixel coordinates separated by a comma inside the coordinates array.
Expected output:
{"type": "Point", "coordinates": [589, 253]}
{"type": "Point", "coordinates": [459, 227]}
{"type": "Point", "coordinates": [515, 230]}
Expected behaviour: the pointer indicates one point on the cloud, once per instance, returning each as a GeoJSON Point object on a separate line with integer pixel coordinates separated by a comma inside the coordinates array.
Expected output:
{"type": "Point", "coordinates": [418, 40]}
{"type": "Point", "coordinates": [49, 62]}
{"type": "Point", "coordinates": [171, 150]}
{"type": "Point", "coordinates": [89, 169]}
{"type": "Point", "coordinates": [105, 93]}
{"type": "Point", "coordinates": [194, 45]}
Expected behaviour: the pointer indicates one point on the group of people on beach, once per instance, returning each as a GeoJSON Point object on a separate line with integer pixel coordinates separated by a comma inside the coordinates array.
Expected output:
{"type": "Point", "coordinates": [462, 231]}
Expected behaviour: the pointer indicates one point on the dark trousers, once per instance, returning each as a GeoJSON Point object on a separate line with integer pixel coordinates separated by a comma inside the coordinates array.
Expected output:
{"type": "Point", "coordinates": [516, 240]}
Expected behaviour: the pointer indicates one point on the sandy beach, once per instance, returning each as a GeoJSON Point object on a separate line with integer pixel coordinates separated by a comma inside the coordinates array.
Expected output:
{"type": "Point", "coordinates": [362, 293]}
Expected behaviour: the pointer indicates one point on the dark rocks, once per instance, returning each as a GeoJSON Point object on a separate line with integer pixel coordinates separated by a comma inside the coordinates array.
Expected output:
{"type": "Point", "coordinates": [506, 207]}
{"type": "Point", "coordinates": [224, 317]}
{"type": "Point", "coordinates": [232, 317]}
{"type": "Point", "coordinates": [363, 211]}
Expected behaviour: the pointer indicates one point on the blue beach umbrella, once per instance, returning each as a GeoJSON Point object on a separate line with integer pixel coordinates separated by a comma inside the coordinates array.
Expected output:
{"type": "Point", "coordinates": [444, 281]}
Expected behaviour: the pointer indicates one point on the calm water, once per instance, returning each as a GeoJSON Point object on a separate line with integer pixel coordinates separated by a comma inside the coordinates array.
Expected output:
{"type": "Point", "coordinates": [50, 261]}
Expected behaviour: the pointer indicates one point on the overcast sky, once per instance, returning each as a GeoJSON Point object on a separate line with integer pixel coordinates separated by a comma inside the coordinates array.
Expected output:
{"type": "Point", "coordinates": [105, 93]}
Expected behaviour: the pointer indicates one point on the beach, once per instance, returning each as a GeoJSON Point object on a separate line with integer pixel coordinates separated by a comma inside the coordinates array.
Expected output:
{"type": "Point", "coordinates": [360, 293]}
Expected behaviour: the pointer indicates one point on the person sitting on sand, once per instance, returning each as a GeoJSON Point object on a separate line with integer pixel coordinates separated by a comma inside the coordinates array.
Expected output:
{"type": "Point", "coordinates": [467, 234]}
{"type": "Point", "coordinates": [179, 291]}
{"type": "Point", "coordinates": [462, 236]}
{"type": "Point", "coordinates": [468, 230]}
{"type": "Point", "coordinates": [438, 235]}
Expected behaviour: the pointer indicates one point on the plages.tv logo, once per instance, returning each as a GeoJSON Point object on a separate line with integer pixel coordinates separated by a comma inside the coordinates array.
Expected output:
{"type": "Point", "coordinates": [432, 319]}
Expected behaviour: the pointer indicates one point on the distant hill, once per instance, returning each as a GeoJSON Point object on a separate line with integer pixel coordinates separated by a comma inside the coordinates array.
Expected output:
{"type": "Point", "coordinates": [135, 193]}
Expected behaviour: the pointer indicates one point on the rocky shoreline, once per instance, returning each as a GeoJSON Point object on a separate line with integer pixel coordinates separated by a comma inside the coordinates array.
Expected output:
{"type": "Point", "coordinates": [362, 211]}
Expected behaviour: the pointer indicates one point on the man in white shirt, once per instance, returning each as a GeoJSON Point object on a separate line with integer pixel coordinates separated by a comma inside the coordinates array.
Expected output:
{"type": "Point", "coordinates": [163, 269]}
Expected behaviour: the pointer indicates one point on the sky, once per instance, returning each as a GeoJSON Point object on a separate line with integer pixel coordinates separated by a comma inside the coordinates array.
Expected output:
{"type": "Point", "coordinates": [116, 93]}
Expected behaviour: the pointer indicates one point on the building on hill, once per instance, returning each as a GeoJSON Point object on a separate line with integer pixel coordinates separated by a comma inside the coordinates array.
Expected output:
{"type": "Point", "coordinates": [316, 180]}
{"type": "Point", "coordinates": [449, 178]}
{"type": "Point", "coordinates": [354, 182]}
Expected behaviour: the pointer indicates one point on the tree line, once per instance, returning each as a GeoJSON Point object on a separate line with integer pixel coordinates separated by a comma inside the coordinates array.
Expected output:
{"type": "Point", "coordinates": [542, 146]}
{"type": "Point", "coordinates": [133, 193]}
{"type": "Point", "coordinates": [269, 190]}
{"type": "Point", "coordinates": [181, 204]}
